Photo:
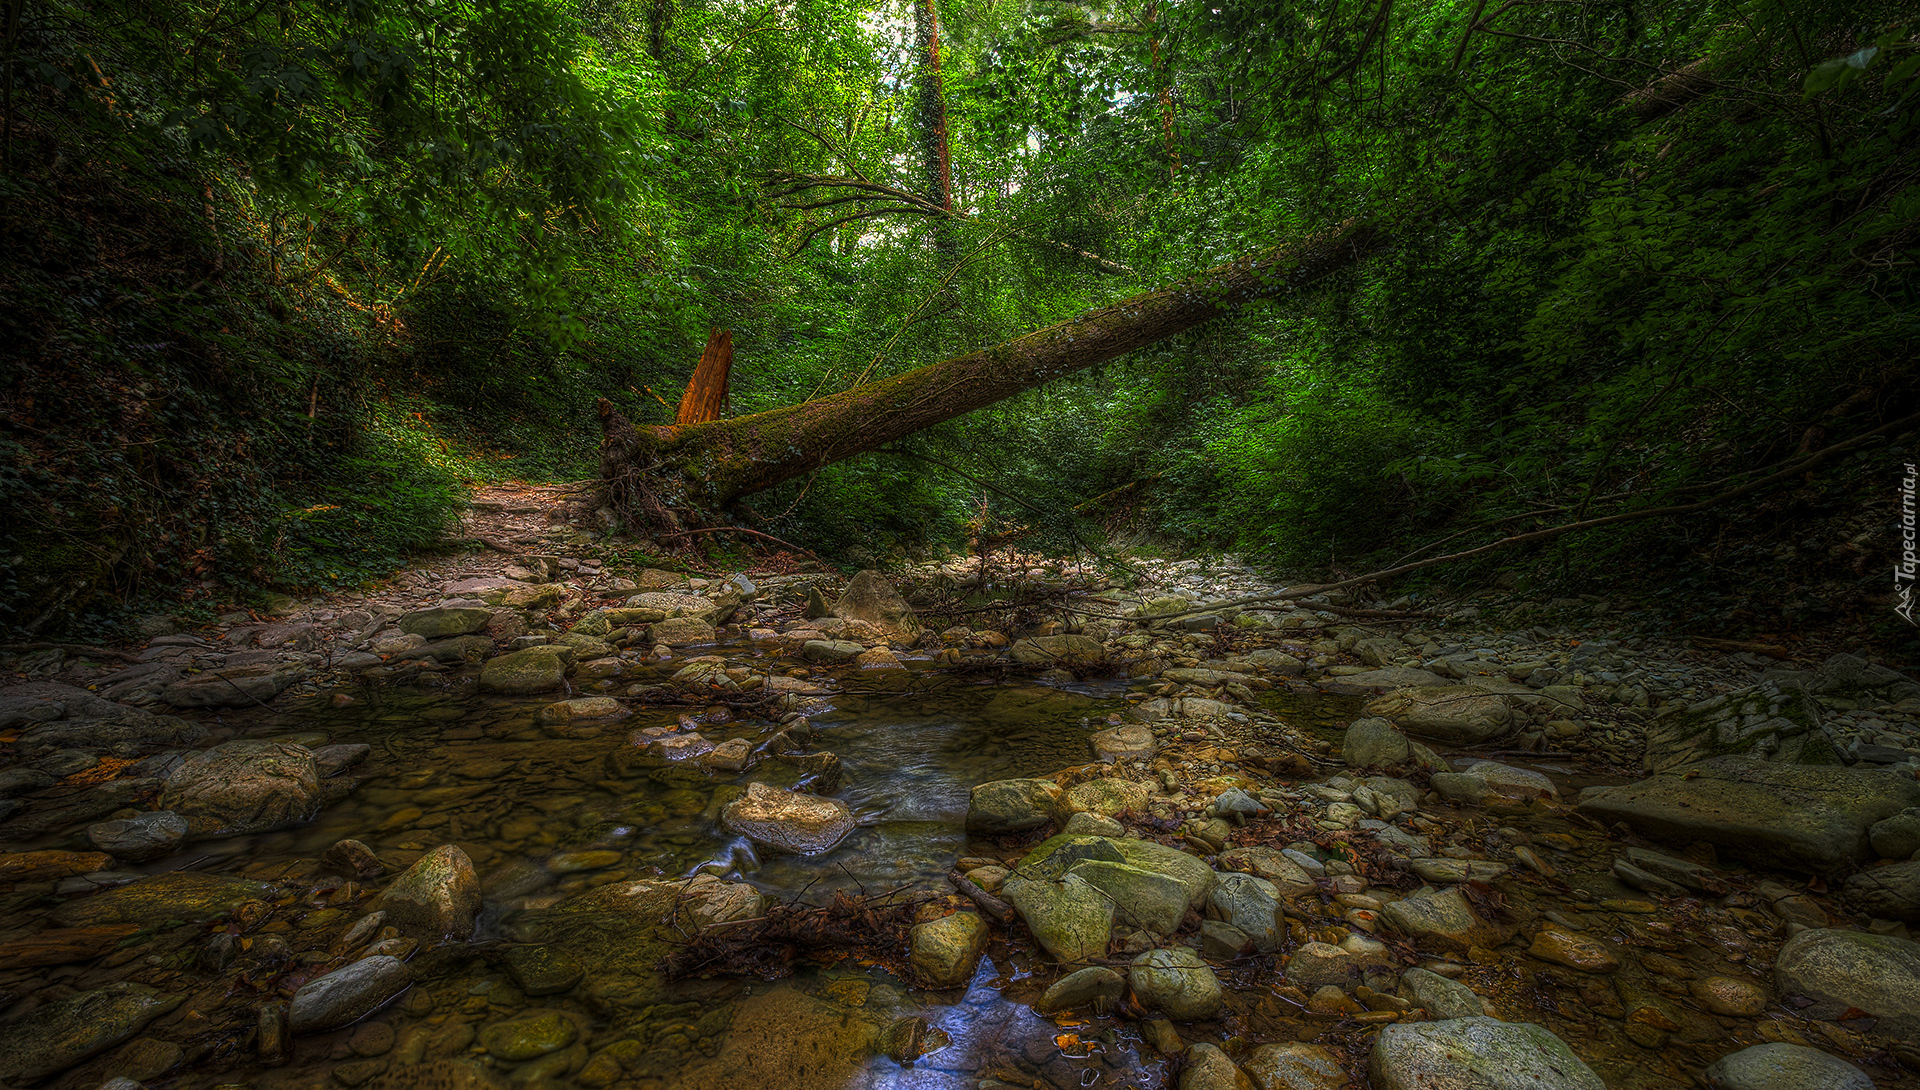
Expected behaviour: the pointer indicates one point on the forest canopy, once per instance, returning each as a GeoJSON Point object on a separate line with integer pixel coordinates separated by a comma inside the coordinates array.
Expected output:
{"type": "Point", "coordinates": [286, 274]}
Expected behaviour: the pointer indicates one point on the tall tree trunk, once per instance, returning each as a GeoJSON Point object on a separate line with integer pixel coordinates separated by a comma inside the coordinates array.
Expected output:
{"type": "Point", "coordinates": [935, 153]}
{"type": "Point", "coordinates": [655, 475]}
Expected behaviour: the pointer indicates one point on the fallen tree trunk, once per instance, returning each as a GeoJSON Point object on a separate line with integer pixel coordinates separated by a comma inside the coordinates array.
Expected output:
{"type": "Point", "coordinates": [655, 476]}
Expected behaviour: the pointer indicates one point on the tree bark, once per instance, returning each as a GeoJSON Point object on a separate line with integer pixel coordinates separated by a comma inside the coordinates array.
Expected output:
{"type": "Point", "coordinates": [934, 150]}
{"type": "Point", "coordinates": [657, 475]}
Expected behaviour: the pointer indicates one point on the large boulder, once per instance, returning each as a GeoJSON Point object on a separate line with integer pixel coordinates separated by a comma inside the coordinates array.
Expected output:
{"type": "Point", "coordinates": [1785, 1067]}
{"type": "Point", "coordinates": [348, 994]}
{"type": "Point", "coordinates": [234, 687]}
{"type": "Point", "coordinates": [438, 897]}
{"type": "Point", "coordinates": [1070, 917]}
{"type": "Point", "coordinates": [244, 786]}
{"type": "Point", "coordinates": [1296, 1065]}
{"type": "Point", "coordinates": [1891, 892]}
{"type": "Point", "coordinates": [791, 822]}
{"type": "Point", "coordinates": [1376, 743]}
{"type": "Point", "coordinates": [1454, 714]}
{"type": "Point", "coordinates": [1069, 651]}
{"type": "Point", "coordinates": [1806, 818]}
{"type": "Point", "coordinates": [1443, 919]}
{"type": "Point", "coordinates": [1013, 806]}
{"type": "Point", "coordinates": [1768, 722]}
{"type": "Point", "coordinates": [1058, 855]}
{"type": "Point", "coordinates": [1141, 898]}
{"type": "Point", "coordinates": [55, 1036]}
{"type": "Point", "coordinates": [1177, 983]}
{"type": "Point", "coordinates": [141, 837]}
{"type": "Point", "coordinates": [1476, 1054]}
{"type": "Point", "coordinates": [1842, 970]}
{"type": "Point", "coordinates": [190, 896]}
{"type": "Point", "coordinates": [443, 621]}
{"type": "Point", "coordinates": [528, 670]}
{"type": "Point", "coordinates": [870, 598]}
{"type": "Point", "coordinates": [945, 951]}
{"type": "Point", "coordinates": [1252, 905]}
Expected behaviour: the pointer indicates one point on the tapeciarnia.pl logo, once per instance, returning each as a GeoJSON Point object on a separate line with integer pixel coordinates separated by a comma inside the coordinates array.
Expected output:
{"type": "Point", "coordinates": [1905, 571]}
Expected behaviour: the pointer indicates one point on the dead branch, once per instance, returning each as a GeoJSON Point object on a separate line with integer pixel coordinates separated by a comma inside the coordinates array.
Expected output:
{"type": "Point", "coordinates": [993, 906]}
{"type": "Point", "coordinates": [769, 945]}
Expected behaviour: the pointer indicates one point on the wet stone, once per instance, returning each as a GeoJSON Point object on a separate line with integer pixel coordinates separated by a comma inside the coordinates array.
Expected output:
{"type": "Point", "coordinates": [1442, 998]}
{"type": "Point", "coordinates": [348, 994]}
{"type": "Point", "coordinates": [1476, 1054]}
{"type": "Point", "coordinates": [352, 859]}
{"type": "Point", "coordinates": [1095, 987]}
{"type": "Point", "coordinates": [1839, 970]}
{"type": "Point", "coordinates": [177, 895]}
{"type": "Point", "coordinates": [1208, 1068]}
{"type": "Point", "coordinates": [945, 951]}
{"type": "Point", "coordinates": [438, 896]}
{"type": "Point", "coordinates": [1177, 983]}
{"type": "Point", "coordinates": [54, 1037]}
{"type": "Point", "coordinates": [1574, 951]}
{"type": "Point", "coordinates": [1785, 1067]}
{"type": "Point", "coordinates": [244, 786]}
{"type": "Point", "coordinates": [529, 1036]}
{"type": "Point", "coordinates": [137, 839]}
{"type": "Point", "coordinates": [1730, 996]}
{"type": "Point", "coordinates": [1295, 1065]}
{"type": "Point", "coordinates": [542, 970]}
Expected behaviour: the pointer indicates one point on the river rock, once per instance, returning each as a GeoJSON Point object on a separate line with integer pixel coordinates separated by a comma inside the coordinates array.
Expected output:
{"type": "Point", "coordinates": [1455, 714]}
{"type": "Point", "coordinates": [539, 970]}
{"type": "Point", "coordinates": [444, 621]}
{"type": "Point", "coordinates": [945, 951]}
{"type": "Point", "coordinates": [1070, 917]}
{"type": "Point", "coordinates": [1891, 892]}
{"type": "Point", "coordinates": [1518, 783]}
{"type": "Point", "coordinates": [1389, 677]}
{"type": "Point", "coordinates": [141, 837]}
{"type": "Point", "coordinates": [1897, 837]}
{"type": "Point", "coordinates": [1295, 1065]}
{"type": "Point", "coordinates": [1785, 1067]}
{"type": "Point", "coordinates": [528, 670]}
{"type": "Point", "coordinates": [177, 895]}
{"type": "Point", "coordinates": [1768, 722]}
{"type": "Point", "coordinates": [1141, 898]}
{"type": "Point", "coordinates": [870, 598]}
{"type": "Point", "coordinates": [1573, 950]}
{"type": "Point", "coordinates": [1252, 905]}
{"type": "Point", "coordinates": [1315, 965]}
{"type": "Point", "coordinates": [1443, 919]}
{"type": "Point", "coordinates": [1086, 823]}
{"type": "Point", "coordinates": [1055, 856]}
{"type": "Point", "coordinates": [1177, 983]}
{"type": "Point", "coordinates": [1264, 862]}
{"type": "Point", "coordinates": [129, 729]}
{"type": "Point", "coordinates": [352, 859]}
{"type": "Point", "coordinates": [1442, 998]}
{"type": "Point", "coordinates": [1123, 743]}
{"type": "Point", "coordinates": [1067, 651]}
{"type": "Point", "coordinates": [1838, 970]}
{"type": "Point", "coordinates": [1729, 996]}
{"type": "Point", "coordinates": [1376, 743]}
{"type": "Point", "coordinates": [1795, 816]}
{"type": "Point", "coordinates": [49, 865]}
{"type": "Point", "coordinates": [801, 824]}
{"type": "Point", "coordinates": [585, 707]}
{"type": "Point", "coordinates": [348, 994]}
{"type": "Point", "coordinates": [1209, 1069]}
{"type": "Point", "coordinates": [832, 652]}
{"type": "Point", "coordinates": [234, 687]}
{"type": "Point", "coordinates": [529, 1036]}
{"type": "Point", "coordinates": [1107, 797]}
{"type": "Point", "coordinates": [1096, 986]}
{"type": "Point", "coordinates": [55, 1036]}
{"type": "Point", "coordinates": [438, 897]}
{"type": "Point", "coordinates": [1012, 806]}
{"type": "Point", "coordinates": [244, 786]}
{"type": "Point", "coordinates": [1476, 1053]}
{"type": "Point", "coordinates": [681, 631]}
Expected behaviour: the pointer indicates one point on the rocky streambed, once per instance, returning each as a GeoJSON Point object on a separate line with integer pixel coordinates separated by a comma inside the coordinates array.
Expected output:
{"type": "Point", "coordinates": [453, 835]}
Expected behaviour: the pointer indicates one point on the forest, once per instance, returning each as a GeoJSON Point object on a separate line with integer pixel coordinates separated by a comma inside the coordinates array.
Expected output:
{"type": "Point", "coordinates": [284, 281]}
{"type": "Point", "coordinates": [959, 545]}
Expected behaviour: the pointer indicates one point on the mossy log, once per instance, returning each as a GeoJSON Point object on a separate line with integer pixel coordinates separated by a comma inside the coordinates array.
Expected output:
{"type": "Point", "coordinates": [660, 476]}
